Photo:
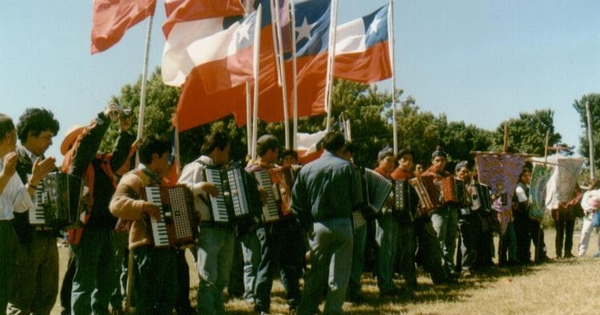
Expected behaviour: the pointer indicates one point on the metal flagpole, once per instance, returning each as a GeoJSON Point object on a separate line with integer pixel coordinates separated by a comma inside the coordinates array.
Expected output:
{"type": "Point", "coordinates": [392, 43]}
{"type": "Point", "coordinates": [330, 61]}
{"type": "Point", "coordinates": [140, 133]}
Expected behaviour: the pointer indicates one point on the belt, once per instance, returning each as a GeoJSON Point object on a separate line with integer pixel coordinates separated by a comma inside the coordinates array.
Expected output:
{"type": "Point", "coordinates": [43, 228]}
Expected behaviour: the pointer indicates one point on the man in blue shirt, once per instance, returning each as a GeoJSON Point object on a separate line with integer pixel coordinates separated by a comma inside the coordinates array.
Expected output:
{"type": "Point", "coordinates": [323, 198]}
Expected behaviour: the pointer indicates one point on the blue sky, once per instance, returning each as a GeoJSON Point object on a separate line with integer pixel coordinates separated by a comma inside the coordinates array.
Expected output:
{"type": "Point", "coordinates": [477, 61]}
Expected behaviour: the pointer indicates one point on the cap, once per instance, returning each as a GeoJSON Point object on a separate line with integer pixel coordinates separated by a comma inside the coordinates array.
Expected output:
{"type": "Point", "coordinates": [384, 153]}
{"type": "Point", "coordinates": [438, 152]}
{"type": "Point", "coordinates": [266, 138]}
{"type": "Point", "coordinates": [460, 165]}
{"type": "Point", "coordinates": [70, 138]}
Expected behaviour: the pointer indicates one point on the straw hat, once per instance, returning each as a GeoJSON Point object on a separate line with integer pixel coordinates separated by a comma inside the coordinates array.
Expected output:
{"type": "Point", "coordinates": [70, 138]}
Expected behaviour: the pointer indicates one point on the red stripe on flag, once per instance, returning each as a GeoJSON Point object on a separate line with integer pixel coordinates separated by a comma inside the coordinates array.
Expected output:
{"type": "Point", "coordinates": [111, 19]}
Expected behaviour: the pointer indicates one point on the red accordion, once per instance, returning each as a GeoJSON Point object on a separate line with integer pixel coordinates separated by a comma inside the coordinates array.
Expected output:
{"type": "Point", "coordinates": [177, 226]}
{"type": "Point", "coordinates": [452, 190]}
{"type": "Point", "coordinates": [429, 193]}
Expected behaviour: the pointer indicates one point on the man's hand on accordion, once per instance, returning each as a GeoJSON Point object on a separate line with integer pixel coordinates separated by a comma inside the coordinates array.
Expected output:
{"type": "Point", "coordinates": [152, 210]}
{"type": "Point", "coordinates": [209, 188]}
{"type": "Point", "coordinates": [264, 195]}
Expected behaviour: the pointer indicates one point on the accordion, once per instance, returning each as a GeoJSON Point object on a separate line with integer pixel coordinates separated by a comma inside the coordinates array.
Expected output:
{"type": "Point", "coordinates": [177, 226]}
{"type": "Point", "coordinates": [428, 192]}
{"type": "Point", "coordinates": [452, 190]}
{"type": "Point", "coordinates": [60, 202]}
{"type": "Point", "coordinates": [278, 184]}
{"type": "Point", "coordinates": [238, 198]}
{"type": "Point", "coordinates": [480, 197]}
{"type": "Point", "coordinates": [405, 200]}
{"type": "Point", "coordinates": [374, 190]}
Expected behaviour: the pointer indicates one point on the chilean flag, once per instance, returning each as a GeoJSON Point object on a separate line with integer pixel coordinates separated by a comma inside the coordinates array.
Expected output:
{"type": "Point", "coordinates": [312, 39]}
{"type": "Point", "coordinates": [190, 21]}
{"type": "Point", "coordinates": [213, 88]}
{"type": "Point", "coordinates": [361, 48]}
{"type": "Point", "coordinates": [112, 18]}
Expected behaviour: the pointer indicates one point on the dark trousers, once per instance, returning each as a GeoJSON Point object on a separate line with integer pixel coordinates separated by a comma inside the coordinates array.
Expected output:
{"type": "Point", "coordinates": [67, 285]}
{"type": "Point", "coordinates": [564, 235]}
{"type": "Point", "coordinates": [157, 284]}
{"type": "Point", "coordinates": [522, 232]}
{"type": "Point", "coordinates": [429, 253]}
{"type": "Point", "coordinates": [8, 253]}
{"type": "Point", "coordinates": [469, 227]}
{"type": "Point", "coordinates": [537, 238]}
{"type": "Point", "coordinates": [281, 249]}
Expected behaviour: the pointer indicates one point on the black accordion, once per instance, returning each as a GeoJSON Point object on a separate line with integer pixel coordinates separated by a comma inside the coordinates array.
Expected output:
{"type": "Point", "coordinates": [60, 202]}
{"type": "Point", "coordinates": [238, 200]}
{"type": "Point", "coordinates": [374, 190]}
{"type": "Point", "coordinates": [278, 183]}
{"type": "Point", "coordinates": [178, 225]}
{"type": "Point", "coordinates": [406, 200]}
{"type": "Point", "coordinates": [480, 197]}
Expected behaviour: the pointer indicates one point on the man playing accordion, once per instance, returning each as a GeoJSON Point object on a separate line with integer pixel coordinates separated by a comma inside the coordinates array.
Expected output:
{"type": "Point", "coordinates": [275, 235]}
{"type": "Point", "coordinates": [156, 286]}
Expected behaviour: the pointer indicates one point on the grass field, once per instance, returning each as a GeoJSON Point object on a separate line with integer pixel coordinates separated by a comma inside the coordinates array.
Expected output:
{"type": "Point", "coordinates": [558, 287]}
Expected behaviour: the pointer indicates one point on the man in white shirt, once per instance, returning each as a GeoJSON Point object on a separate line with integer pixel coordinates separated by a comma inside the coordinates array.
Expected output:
{"type": "Point", "coordinates": [14, 197]}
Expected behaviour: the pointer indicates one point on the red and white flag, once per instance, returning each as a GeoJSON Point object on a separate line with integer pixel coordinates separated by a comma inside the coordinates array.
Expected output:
{"type": "Point", "coordinates": [361, 48]}
{"type": "Point", "coordinates": [189, 21]}
{"type": "Point", "coordinates": [112, 18]}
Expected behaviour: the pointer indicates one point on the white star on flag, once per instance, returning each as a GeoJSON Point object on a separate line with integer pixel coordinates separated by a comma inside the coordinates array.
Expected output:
{"type": "Point", "coordinates": [243, 32]}
{"type": "Point", "coordinates": [374, 25]}
{"type": "Point", "coordinates": [303, 30]}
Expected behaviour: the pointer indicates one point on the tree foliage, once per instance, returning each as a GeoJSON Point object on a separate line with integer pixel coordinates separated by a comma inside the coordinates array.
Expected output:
{"type": "Point", "coordinates": [527, 134]}
{"type": "Point", "coordinates": [593, 101]}
{"type": "Point", "coordinates": [370, 113]}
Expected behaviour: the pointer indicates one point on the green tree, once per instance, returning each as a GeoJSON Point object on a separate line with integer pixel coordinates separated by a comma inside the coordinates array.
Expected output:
{"type": "Point", "coordinates": [584, 143]}
{"type": "Point", "coordinates": [527, 134]}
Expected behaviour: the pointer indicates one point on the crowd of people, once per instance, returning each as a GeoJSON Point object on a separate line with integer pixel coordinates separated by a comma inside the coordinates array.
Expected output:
{"type": "Point", "coordinates": [324, 230]}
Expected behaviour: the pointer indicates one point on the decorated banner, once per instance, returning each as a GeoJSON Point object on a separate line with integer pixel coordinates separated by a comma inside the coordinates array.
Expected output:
{"type": "Point", "coordinates": [538, 190]}
{"type": "Point", "coordinates": [563, 179]}
{"type": "Point", "coordinates": [500, 172]}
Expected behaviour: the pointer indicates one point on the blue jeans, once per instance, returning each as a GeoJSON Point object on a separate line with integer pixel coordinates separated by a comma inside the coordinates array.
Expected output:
{"type": "Point", "coordinates": [251, 253]}
{"type": "Point", "coordinates": [331, 250]}
{"type": "Point", "coordinates": [445, 224]}
{"type": "Point", "coordinates": [215, 256]}
{"type": "Point", "coordinates": [387, 239]}
{"type": "Point", "coordinates": [358, 261]}
{"type": "Point", "coordinates": [94, 279]}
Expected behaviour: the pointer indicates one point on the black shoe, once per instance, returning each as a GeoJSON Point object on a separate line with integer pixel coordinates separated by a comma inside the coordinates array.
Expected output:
{"type": "Point", "coordinates": [356, 299]}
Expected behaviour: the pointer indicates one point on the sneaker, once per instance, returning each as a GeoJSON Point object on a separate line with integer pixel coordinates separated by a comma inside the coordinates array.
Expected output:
{"type": "Point", "coordinates": [596, 255]}
{"type": "Point", "coordinates": [569, 255]}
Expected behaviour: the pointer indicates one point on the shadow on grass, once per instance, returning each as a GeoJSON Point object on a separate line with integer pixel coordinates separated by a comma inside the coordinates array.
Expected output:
{"type": "Point", "coordinates": [426, 293]}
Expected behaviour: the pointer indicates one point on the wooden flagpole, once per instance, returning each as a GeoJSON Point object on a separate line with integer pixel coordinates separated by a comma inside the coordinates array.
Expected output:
{"type": "Point", "coordinates": [330, 61]}
{"type": "Point", "coordinates": [256, 81]}
{"type": "Point", "coordinates": [392, 43]}
{"type": "Point", "coordinates": [281, 73]}
{"type": "Point", "coordinates": [294, 78]}
{"type": "Point", "coordinates": [140, 133]}
{"type": "Point", "coordinates": [590, 131]}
